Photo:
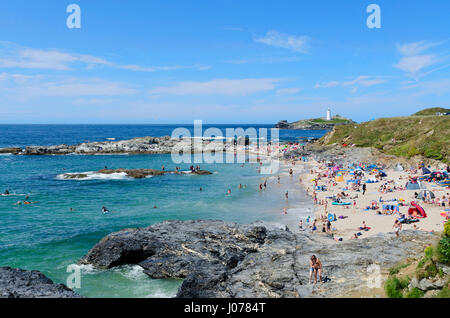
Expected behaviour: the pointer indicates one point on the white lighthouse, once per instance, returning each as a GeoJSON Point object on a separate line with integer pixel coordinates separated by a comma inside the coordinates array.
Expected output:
{"type": "Point", "coordinates": [328, 114]}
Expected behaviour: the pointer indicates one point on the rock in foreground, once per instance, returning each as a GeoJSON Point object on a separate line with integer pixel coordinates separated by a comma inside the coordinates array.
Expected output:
{"type": "Point", "coordinates": [19, 283]}
{"type": "Point", "coordinates": [219, 259]}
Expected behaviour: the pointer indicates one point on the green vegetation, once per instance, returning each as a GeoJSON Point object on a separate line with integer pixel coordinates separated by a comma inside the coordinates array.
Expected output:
{"type": "Point", "coordinates": [332, 121]}
{"type": "Point", "coordinates": [397, 286]}
{"type": "Point", "coordinates": [428, 136]}
{"type": "Point", "coordinates": [445, 292]}
{"type": "Point", "coordinates": [443, 248]}
{"type": "Point", "coordinates": [415, 293]}
{"type": "Point", "coordinates": [394, 286]}
{"type": "Point", "coordinates": [432, 111]}
{"type": "Point", "coordinates": [427, 265]}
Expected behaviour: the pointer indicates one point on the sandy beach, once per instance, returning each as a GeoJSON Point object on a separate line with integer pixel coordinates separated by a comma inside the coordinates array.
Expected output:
{"type": "Point", "coordinates": [351, 217]}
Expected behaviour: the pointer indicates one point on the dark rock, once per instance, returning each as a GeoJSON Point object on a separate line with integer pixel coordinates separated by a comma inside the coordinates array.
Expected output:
{"type": "Point", "coordinates": [219, 259]}
{"type": "Point", "coordinates": [13, 151]}
{"type": "Point", "coordinates": [19, 283]}
{"type": "Point", "coordinates": [133, 173]}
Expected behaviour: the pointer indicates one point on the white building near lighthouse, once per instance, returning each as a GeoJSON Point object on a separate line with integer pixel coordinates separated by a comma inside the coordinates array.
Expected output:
{"type": "Point", "coordinates": [328, 114]}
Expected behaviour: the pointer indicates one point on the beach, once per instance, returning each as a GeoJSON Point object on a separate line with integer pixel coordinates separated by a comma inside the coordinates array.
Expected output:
{"type": "Point", "coordinates": [356, 213]}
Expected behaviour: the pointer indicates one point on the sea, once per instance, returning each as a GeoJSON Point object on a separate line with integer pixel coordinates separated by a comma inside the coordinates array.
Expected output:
{"type": "Point", "coordinates": [65, 218]}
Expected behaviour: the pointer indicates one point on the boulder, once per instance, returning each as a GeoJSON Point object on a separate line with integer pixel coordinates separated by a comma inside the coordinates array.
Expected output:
{"type": "Point", "coordinates": [19, 283]}
{"type": "Point", "coordinates": [221, 259]}
{"type": "Point", "coordinates": [12, 150]}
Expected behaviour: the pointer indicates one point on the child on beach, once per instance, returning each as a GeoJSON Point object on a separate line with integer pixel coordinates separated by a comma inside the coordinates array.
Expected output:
{"type": "Point", "coordinates": [397, 227]}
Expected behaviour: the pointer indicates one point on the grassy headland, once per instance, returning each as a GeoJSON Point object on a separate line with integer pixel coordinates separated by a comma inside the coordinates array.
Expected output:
{"type": "Point", "coordinates": [419, 134]}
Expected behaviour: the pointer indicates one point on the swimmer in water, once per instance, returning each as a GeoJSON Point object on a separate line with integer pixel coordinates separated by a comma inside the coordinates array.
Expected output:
{"type": "Point", "coordinates": [6, 192]}
{"type": "Point", "coordinates": [229, 192]}
{"type": "Point", "coordinates": [105, 210]}
{"type": "Point", "coordinates": [284, 211]}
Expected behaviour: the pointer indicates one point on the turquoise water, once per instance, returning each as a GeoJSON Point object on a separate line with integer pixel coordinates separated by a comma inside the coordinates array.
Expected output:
{"type": "Point", "coordinates": [48, 236]}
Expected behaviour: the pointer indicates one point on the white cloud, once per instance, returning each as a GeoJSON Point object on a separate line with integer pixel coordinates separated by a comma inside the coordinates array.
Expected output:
{"type": "Point", "coordinates": [286, 41]}
{"type": "Point", "coordinates": [219, 87]}
{"type": "Point", "coordinates": [413, 64]}
{"type": "Point", "coordinates": [437, 87]}
{"type": "Point", "coordinates": [360, 81]}
{"type": "Point", "coordinates": [87, 88]}
{"type": "Point", "coordinates": [23, 87]}
{"type": "Point", "coordinates": [14, 56]}
{"type": "Point", "coordinates": [415, 48]}
{"type": "Point", "coordinates": [411, 61]}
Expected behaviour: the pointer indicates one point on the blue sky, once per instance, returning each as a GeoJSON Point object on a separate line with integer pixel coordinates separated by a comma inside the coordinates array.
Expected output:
{"type": "Point", "coordinates": [221, 61]}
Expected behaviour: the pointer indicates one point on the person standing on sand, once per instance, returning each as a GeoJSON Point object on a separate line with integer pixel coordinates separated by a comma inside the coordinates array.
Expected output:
{"type": "Point", "coordinates": [364, 187]}
{"type": "Point", "coordinates": [286, 195]}
{"type": "Point", "coordinates": [397, 227]}
{"type": "Point", "coordinates": [315, 267]}
{"type": "Point", "coordinates": [313, 226]}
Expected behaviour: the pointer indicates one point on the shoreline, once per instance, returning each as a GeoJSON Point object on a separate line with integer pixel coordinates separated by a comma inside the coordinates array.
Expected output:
{"type": "Point", "coordinates": [298, 211]}
{"type": "Point", "coordinates": [354, 215]}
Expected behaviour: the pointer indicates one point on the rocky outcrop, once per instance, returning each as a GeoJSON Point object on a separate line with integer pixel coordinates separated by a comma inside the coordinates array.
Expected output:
{"type": "Point", "coordinates": [313, 124]}
{"type": "Point", "coordinates": [133, 173]}
{"type": "Point", "coordinates": [19, 283]}
{"type": "Point", "coordinates": [141, 145]}
{"type": "Point", "coordinates": [219, 259]}
{"type": "Point", "coordinates": [13, 150]}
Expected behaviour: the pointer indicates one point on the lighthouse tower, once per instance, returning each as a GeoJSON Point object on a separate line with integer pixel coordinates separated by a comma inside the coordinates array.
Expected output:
{"type": "Point", "coordinates": [328, 114]}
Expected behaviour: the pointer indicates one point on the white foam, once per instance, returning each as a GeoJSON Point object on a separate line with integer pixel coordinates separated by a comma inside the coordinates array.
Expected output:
{"type": "Point", "coordinates": [134, 272]}
{"type": "Point", "coordinates": [88, 269]}
{"type": "Point", "coordinates": [161, 294]}
{"type": "Point", "coordinates": [92, 175]}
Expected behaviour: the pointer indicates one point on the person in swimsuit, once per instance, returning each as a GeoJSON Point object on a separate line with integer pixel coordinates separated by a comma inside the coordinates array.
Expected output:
{"type": "Point", "coordinates": [313, 226]}
{"type": "Point", "coordinates": [315, 267]}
